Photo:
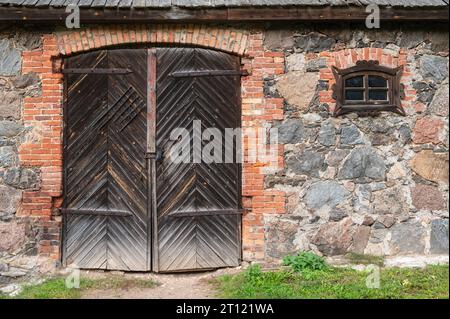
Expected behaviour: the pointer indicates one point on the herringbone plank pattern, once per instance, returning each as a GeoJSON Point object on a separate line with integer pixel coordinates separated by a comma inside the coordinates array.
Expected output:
{"type": "Point", "coordinates": [197, 241]}
{"type": "Point", "coordinates": [105, 162]}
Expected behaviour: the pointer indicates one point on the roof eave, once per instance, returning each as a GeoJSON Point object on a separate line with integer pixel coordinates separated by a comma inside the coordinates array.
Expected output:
{"type": "Point", "coordinates": [241, 14]}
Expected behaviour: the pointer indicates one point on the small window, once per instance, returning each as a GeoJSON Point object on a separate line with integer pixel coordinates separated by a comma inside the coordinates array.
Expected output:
{"type": "Point", "coordinates": [367, 87]}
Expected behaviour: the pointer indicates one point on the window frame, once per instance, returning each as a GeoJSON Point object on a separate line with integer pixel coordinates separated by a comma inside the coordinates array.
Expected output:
{"type": "Point", "coordinates": [366, 69]}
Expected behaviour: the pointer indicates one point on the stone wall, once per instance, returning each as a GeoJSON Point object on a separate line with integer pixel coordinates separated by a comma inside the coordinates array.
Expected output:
{"type": "Point", "coordinates": [18, 235]}
{"type": "Point", "coordinates": [373, 184]}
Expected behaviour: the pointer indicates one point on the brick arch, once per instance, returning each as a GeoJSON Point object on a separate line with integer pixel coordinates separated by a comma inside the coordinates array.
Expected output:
{"type": "Point", "coordinates": [233, 41]}
{"type": "Point", "coordinates": [348, 57]}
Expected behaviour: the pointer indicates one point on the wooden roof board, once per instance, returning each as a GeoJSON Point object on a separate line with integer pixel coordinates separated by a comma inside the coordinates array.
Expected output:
{"type": "Point", "coordinates": [139, 4]}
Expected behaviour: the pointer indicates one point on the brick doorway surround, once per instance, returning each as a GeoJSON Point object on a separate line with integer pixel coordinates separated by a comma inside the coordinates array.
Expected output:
{"type": "Point", "coordinates": [44, 115]}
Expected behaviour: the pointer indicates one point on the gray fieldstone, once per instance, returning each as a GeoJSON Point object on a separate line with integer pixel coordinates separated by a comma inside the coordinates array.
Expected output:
{"type": "Point", "coordinates": [10, 128]}
{"type": "Point", "coordinates": [328, 193]}
{"type": "Point", "coordinates": [314, 42]}
{"type": "Point", "coordinates": [306, 163]}
{"type": "Point", "coordinates": [12, 235]}
{"type": "Point", "coordinates": [316, 64]}
{"type": "Point", "coordinates": [412, 39]}
{"type": "Point", "coordinates": [335, 158]}
{"type": "Point", "coordinates": [26, 80]}
{"type": "Point", "coordinates": [9, 200]}
{"type": "Point", "coordinates": [362, 198]}
{"type": "Point", "coordinates": [291, 131]}
{"type": "Point", "coordinates": [280, 237]}
{"type": "Point", "coordinates": [10, 58]}
{"type": "Point", "coordinates": [408, 238]}
{"type": "Point", "coordinates": [13, 273]}
{"type": "Point", "coordinates": [10, 105]}
{"type": "Point", "coordinates": [360, 239]}
{"type": "Point", "coordinates": [434, 67]}
{"type": "Point", "coordinates": [368, 221]}
{"type": "Point", "coordinates": [439, 236]}
{"type": "Point", "coordinates": [327, 134]}
{"type": "Point", "coordinates": [390, 201]}
{"type": "Point", "coordinates": [295, 62]}
{"type": "Point", "coordinates": [8, 156]}
{"type": "Point", "coordinates": [271, 180]}
{"type": "Point", "coordinates": [405, 134]}
{"type": "Point", "coordinates": [439, 41]}
{"type": "Point", "coordinates": [312, 119]}
{"type": "Point", "coordinates": [425, 96]}
{"type": "Point", "coordinates": [377, 235]}
{"type": "Point", "coordinates": [11, 289]}
{"type": "Point", "coordinates": [439, 105]}
{"type": "Point", "coordinates": [350, 135]}
{"type": "Point", "coordinates": [337, 214]}
{"type": "Point", "coordinates": [22, 178]}
{"type": "Point", "coordinates": [28, 40]}
{"type": "Point", "coordinates": [278, 39]}
{"type": "Point", "coordinates": [386, 221]}
{"type": "Point", "coordinates": [363, 163]}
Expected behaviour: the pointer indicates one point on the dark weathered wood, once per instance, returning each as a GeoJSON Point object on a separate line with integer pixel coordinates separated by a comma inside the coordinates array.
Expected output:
{"type": "Point", "coordinates": [85, 164]}
{"type": "Point", "coordinates": [105, 183]}
{"type": "Point", "coordinates": [186, 74]}
{"type": "Point", "coordinates": [96, 71]}
{"type": "Point", "coordinates": [96, 212]}
{"type": "Point", "coordinates": [365, 69]}
{"type": "Point", "coordinates": [151, 101]}
{"type": "Point", "coordinates": [327, 13]}
{"type": "Point", "coordinates": [121, 189]}
{"type": "Point", "coordinates": [212, 212]}
{"type": "Point", "coordinates": [199, 240]}
{"type": "Point", "coordinates": [151, 155]}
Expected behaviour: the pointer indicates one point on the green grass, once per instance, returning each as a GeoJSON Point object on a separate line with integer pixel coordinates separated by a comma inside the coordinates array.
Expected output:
{"type": "Point", "coordinates": [336, 283]}
{"type": "Point", "coordinates": [55, 288]}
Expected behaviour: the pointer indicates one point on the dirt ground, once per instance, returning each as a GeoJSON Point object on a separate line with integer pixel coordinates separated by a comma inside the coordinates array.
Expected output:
{"type": "Point", "coordinates": [170, 286]}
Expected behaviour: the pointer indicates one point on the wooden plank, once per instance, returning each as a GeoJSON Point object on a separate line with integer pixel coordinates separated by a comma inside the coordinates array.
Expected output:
{"type": "Point", "coordinates": [110, 213]}
{"type": "Point", "coordinates": [150, 156]}
{"type": "Point", "coordinates": [186, 74]}
{"type": "Point", "coordinates": [91, 15]}
{"type": "Point", "coordinates": [127, 175]}
{"type": "Point", "coordinates": [154, 214]}
{"type": "Point", "coordinates": [206, 233]}
{"type": "Point", "coordinates": [151, 101]}
{"type": "Point", "coordinates": [105, 166]}
{"type": "Point", "coordinates": [96, 71]}
{"type": "Point", "coordinates": [198, 213]}
{"type": "Point", "coordinates": [85, 236]}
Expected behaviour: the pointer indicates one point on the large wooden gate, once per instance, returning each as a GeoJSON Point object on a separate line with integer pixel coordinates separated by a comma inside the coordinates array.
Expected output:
{"type": "Point", "coordinates": [127, 205]}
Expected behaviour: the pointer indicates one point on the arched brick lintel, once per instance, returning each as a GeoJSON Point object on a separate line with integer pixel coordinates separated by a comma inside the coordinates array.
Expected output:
{"type": "Point", "coordinates": [229, 40]}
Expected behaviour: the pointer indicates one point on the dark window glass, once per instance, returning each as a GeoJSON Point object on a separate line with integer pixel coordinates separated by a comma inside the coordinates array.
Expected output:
{"type": "Point", "coordinates": [377, 95]}
{"type": "Point", "coordinates": [354, 95]}
{"type": "Point", "coordinates": [377, 81]}
{"type": "Point", "coordinates": [355, 82]}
